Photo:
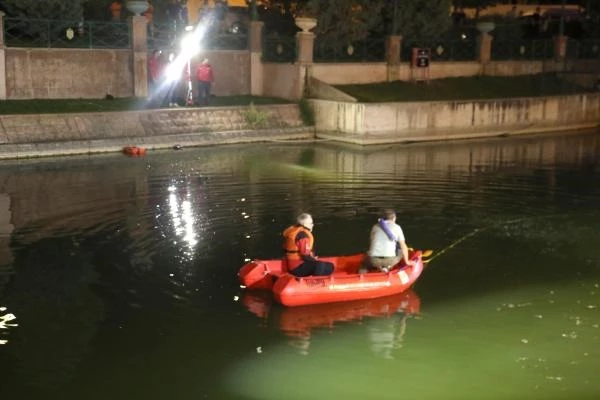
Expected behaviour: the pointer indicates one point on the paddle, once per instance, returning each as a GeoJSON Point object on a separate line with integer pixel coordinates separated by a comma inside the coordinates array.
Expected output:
{"type": "Point", "coordinates": [424, 254]}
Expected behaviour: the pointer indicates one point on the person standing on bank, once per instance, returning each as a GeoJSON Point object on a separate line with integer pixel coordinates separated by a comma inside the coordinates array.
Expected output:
{"type": "Point", "coordinates": [385, 238]}
{"type": "Point", "coordinates": [204, 81]}
{"type": "Point", "coordinates": [115, 10]}
{"type": "Point", "coordinates": [155, 70]}
{"type": "Point", "coordinates": [298, 244]}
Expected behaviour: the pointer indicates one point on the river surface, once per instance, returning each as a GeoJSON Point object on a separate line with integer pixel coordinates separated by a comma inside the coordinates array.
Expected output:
{"type": "Point", "coordinates": [121, 273]}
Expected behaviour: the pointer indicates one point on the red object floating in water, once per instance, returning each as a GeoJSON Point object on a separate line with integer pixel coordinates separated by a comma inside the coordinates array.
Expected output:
{"type": "Point", "coordinates": [134, 151]}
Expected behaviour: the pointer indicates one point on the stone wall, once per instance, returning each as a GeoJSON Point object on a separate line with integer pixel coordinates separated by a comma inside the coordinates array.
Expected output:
{"type": "Point", "coordinates": [92, 74]}
{"type": "Point", "coordinates": [409, 121]}
{"type": "Point", "coordinates": [358, 73]}
{"type": "Point", "coordinates": [68, 73]}
{"type": "Point", "coordinates": [320, 90]}
{"type": "Point", "coordinates": [48, 134]}
{"type": "Point", "coordinates": [84, 73]}
{"type": "Point", "coordinates": [283, 80]}
{"type": "Point", "coordinates": [231, 69]}
{"type": "Point", "coordinates": [350, 73]}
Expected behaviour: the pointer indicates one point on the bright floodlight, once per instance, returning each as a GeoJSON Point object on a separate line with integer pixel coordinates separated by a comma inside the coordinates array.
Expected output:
{"type": "Point", "coordinates": [189, 45]}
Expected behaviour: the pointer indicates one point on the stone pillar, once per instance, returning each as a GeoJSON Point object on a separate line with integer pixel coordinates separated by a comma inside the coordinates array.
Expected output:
{"type": "Point", "coordinates": [2, 59]}
{"type": "Point", "coordinates": [139, 47]}
{"type": "Point", "coordinates": [305, 43]}
{"type": "Point", "coordinates": [256, 67]}
{"type": "Point", "coordinates": [393, 50]}
{"type": "Point", "coordinates": [393, 47]}
{"type": "Point", "coordinates": [560, 47]}
{"type": "Point", "coordinates": [485, 47]}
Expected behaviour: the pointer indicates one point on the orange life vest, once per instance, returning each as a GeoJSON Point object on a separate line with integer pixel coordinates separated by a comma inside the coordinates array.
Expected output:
{"type": "Point", "coordinates": [292, 252]}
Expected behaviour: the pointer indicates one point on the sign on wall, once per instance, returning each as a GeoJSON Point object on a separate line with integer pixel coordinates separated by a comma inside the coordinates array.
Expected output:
{"type": "Point", "coordinates": [420, 61]}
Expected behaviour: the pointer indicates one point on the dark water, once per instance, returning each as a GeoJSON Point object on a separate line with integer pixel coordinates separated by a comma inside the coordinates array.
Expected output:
{"type": "Point", "coordinates": [121, 273]}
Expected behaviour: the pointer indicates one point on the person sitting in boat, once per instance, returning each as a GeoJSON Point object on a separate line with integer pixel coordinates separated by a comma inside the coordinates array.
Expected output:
{"type": "Point", "coordinates": [386, 237]}
{"type": "Point", "coordinates": [298, 244]}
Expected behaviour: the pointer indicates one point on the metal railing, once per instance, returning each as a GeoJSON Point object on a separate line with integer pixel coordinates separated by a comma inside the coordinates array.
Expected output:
{"type": "Point", "coordinates": [372, 50]}
{"type": "Point", "coordinates": [534, 49]}
{"type": "Point", "coordinates": [168, 36]}
{"type": "Point", "coordinates": [279, 49]}
{"type": "Point", "coordinates": [443, 49]}
{"type": "Point", "coordinates": [49, 33]}
{"type": "Point", "coordinates": [588, 49]}
{"type": "Point", "coordinates": [225, 41]}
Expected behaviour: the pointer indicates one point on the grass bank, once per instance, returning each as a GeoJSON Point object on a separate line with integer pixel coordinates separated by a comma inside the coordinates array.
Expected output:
{"type": "Point", "coordinates": [467, 88]}
{"type": "Point", "coordinates": [118, 104]}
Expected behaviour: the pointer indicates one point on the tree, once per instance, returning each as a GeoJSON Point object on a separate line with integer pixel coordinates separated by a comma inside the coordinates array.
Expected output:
{"type": "Point", "coordinates": [278, 15]}
{"type": "Point", "coordinates": [344, 21]}
{"type": "Point", "coordinates": [416, 19]}
{"type": "Point", "coordinates": [592, 22]}
{"type": "Point", "coordinates": [47, 9]}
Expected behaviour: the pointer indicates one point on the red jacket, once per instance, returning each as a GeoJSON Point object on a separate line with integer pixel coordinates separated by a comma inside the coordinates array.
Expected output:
{"type": "Point", "coordinates": [204, 73]}
{"type": "Point", "coordinates": [154, 68]}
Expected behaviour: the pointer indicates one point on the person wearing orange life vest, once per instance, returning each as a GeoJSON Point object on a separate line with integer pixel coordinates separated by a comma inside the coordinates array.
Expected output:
{"type": "Point", "coordinates": [298, 244]}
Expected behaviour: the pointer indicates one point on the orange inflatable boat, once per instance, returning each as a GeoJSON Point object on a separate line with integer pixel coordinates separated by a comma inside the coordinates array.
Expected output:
{"type": "Point", "coordinates": [345, 284]}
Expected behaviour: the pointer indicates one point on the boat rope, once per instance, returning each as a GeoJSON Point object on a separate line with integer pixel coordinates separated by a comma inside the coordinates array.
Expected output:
{"type": "Point", "coordinates": [478, 230]}
{"type": "Point", "coordinates": [456, 242]}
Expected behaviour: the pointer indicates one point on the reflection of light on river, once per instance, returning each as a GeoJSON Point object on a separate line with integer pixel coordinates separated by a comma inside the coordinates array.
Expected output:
{"type": "Point", "coordinates": [183, 219]}
{"type": "Point", "coordinates": [4, 323]}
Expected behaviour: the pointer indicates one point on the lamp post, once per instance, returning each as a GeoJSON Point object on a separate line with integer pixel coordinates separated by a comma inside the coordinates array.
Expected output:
{"type": "Point", "coordinates": [253, 11]}
{"type": "Point", "coordinates": [394, 18]}
{"type": "Point", "coordinates": [562, 19]}
{"type": "Point", "coordinates": [189, 47]}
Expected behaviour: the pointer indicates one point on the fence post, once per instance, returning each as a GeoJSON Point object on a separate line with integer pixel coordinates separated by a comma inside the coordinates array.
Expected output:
{"type": "Point", "coordinates": [485, 47]}
{"type": "Point", "coordinates": [560, 47]}
{"type": "Point", "coordinates": [2, 59]}
{"type": "Point", "coordinates": [139, 47]}
{"type": "Point", "coordinates": [393, 46]}
{"type": "Point", "coordinates": [256, 70]}
{"type": "Point", "coordinates": [305, 42]}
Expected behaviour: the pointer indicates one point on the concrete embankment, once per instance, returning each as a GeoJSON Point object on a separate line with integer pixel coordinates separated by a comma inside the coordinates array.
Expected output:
{"type": "Point", "coordinates": [23, 136]}
{"type": "Point", "coordinates": [378, 123]}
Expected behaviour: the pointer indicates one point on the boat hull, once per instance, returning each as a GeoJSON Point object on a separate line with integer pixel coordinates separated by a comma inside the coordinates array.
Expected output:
{"type": "Point", "coordinates": [345, 284]}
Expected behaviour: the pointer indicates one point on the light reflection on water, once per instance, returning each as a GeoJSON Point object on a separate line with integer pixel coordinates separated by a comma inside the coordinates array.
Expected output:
{"type": "Point", "coordinates": [123, 270]}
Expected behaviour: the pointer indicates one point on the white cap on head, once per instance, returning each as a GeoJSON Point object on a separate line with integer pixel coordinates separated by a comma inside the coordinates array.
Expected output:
{"type": "Point", "coordinates": [305, 220]}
